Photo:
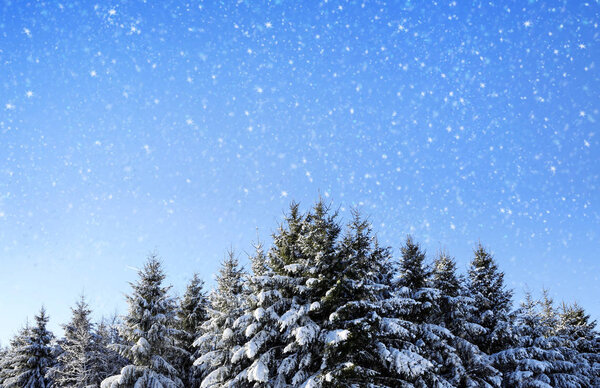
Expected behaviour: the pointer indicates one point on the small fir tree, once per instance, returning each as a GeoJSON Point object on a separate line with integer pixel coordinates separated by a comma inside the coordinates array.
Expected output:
{"type": "Point", "coordinates": [492, 303]}
{"type": "Point", "coordinates": [79, 364]}
{"type": "Point", "coordinates": [32, 356]}
{"type": "Point", "coordinates": [539, 358]}
{"type": "Point", "coordinates": [192, 313]}
{"type": "Point", "coordinates": [220, 339]}
{"type": "Point", "coordinates": [148, 331]}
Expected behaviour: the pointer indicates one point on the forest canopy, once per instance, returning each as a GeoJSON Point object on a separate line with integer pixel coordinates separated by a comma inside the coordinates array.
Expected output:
{"type": "Point", "coordinates": [324, 306]}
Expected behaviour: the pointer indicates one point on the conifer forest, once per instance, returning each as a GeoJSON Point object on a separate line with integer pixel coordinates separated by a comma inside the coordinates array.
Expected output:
{"type": "Point", "coordinates": [299, 194]}
{"type": "Point", "coordinates": [324, 306]}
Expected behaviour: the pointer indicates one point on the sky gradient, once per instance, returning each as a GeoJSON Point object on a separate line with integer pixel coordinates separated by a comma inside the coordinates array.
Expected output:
{"type": "Point", "coordinates": [186, 128]}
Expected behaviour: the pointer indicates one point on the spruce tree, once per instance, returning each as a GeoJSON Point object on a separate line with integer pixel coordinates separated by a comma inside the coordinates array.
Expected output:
{"type": "Point", "coordinates": [191, 314]}
{"type": "Point", "coordinates": [8, 362]}
{"type": "Point", "coordinates": [453, 310]}
{"type": "Point", "coordinates": [492, 303]}
{"type": "Point", "coordinates": [314, 273]}
{"type": "Point", "coordinates": [414, 349]}
{"type": "Point", "coordinates": [272, 287]}
{"type": "Point", "coordinates": [109, 360]}
{"type": "Point", "coordinates": [362, 275]}
{"type": "Point", "coordinates": [148, 331]}
{"type": "Point", "coordinates": [3, 364]}
{"type": "Point", "coordinates": [548, 315]}
{"type": "Point", "coordinates": [80, 363]}
{"type": "Point", "coordinates": [287, 316]}
{"type": "Point", "coordinates": [32, 356]}
{"type": "Point", "coordinates": [539, 358]}
{"type": "Point", "coordinates": [576, 327]}
{"type": "Point", "coordinates": [220, 338]}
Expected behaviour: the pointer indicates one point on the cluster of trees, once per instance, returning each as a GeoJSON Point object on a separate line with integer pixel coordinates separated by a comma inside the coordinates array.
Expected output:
{"type": "Point", "coordinates": [323, 307]}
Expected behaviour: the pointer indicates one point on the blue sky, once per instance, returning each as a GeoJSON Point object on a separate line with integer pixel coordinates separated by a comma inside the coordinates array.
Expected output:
{"type": "Point", "coordinates": [185, 127]}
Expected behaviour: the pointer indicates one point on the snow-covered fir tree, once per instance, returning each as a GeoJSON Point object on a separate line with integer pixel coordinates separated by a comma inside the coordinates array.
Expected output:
{"type": "Point", "coordinates": [9, 355]}
{"type": "Point", "coordinates": [110, 361]}
{"type": "Point", "coordinates": [148, 330]}
{"type": "Point", "coordinates": [492, 303]}
{"type": "Point", "coordinates": [31, 356]}
{"type": "Point", "coordinates": [3, 357]}
{"type": "Point", "coordinates": [362, 275]}
{"type": "Point", "coordinates": [272, 292]}
{"type": "Point", "coordinates": [191, 314]}
{"type": "Point", "coordinates": [286, 319]}
{"type": "Point", "coordinates": [580, 331]}
{"type": "Point", "coordinates": [453, 310]}
{"type": "Point", "coordinates": [80, 364]}
{"type": "Point", "coordinates": [548, 314]}
{"type": "Point", "coordinates": [312, 275]}
{"type": "Point", "coordinates": [220, 338]}
{"type": "Point", "coordinates": [539, 358]}
{"type": "Point", "coordinates": [414, 349]}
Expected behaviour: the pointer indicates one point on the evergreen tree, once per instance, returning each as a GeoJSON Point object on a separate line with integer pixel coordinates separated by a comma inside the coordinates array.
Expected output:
{"type": "Point", "coordinates": [548, 315]}
{"type": "Point", "coordinates": [220, 339]}
{"type": "Point", "coordinates": [148, 331]}
{"type": "Point", "coordinates": [314, 273]}
{"type": "Point", "coordinates": [286, 319]}
{"type": "Point", "coordinates": [109, 360]}
{"type": "Point", "coordinates": [453, 310]}
{"type": "Point", "coordinates": [492, 303]}
{"type": "Point", "coordinates": [414, 349]}
{"type": "Point", "coordinates": [539, 358]}
{"type": "Point", "coordinates": [11, 354]}
{"type": "Point", "coordinates": [3, 367]}
{"type": "Point", "coordinates": [80, 363]}
{"type": "Point", "coordinates": [3, 357]}
{"type": "Point", "coordinates": [412, 270]}
{"type": "Point", "coordinates": [362, 276]}
{"type": "Point", "coordinates": [31, 356]}
{"type": "Point", "coordinates": [192, 313]}
{"type": "Point", "coordinates": [272, 287]}
{"type": "Point", "coordinates": [576, 327]}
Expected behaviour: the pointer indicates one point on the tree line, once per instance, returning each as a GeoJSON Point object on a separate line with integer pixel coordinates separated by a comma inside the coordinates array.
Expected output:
{"type": "Point", "coordinates": [323, 306]}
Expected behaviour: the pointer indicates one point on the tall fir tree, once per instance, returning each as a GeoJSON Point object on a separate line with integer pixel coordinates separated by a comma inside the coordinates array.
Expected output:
{"type": "Point", "coordinates": [548, 315]}
{"type": "Point", "coordinates": [220, 338]}
{"type": "Point", "coordinates": [148, 331]}
{"type": "Point", "coordinates": [191, 314]}
{"type": "Point", "coordinates": [492, 303]}
{"type": "Point", "coordinates": [272, 289]}
{"type": "Point", "coordinates": [314, 273]}
{"type": "Point", "coordinates": [362, 275]}
{"type": "Point", "coordinates": [32, 356]}
{"type": "Point", "coordinates": [414, 349]}
{"type": "Point", "coordinates": [453, 310]}
{"type": "Point", "coordinates": [285, 322]}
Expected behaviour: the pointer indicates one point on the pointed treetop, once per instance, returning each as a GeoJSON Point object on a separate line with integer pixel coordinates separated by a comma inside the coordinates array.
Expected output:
{"type": "Point", "coordinates": [412, 266]}
{"type": "Point", "coordinates": [487, 281]}
{"type": "Point", "coordinates": [259, 260]}
{"type": "Point", "coordinates": [229, 283]}
{"type": "Point", "coordinates": [444, 275]}
{"type": "Point", "coordinates": [575, 321]}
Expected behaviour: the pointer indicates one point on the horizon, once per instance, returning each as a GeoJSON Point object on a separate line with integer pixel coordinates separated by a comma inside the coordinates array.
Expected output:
{"type": "Point", "coordinates": [187, 129]}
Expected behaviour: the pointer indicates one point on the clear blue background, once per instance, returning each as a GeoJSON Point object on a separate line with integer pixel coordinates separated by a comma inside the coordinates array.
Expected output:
{"type": "Point", "coordinates": [182, 127]}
